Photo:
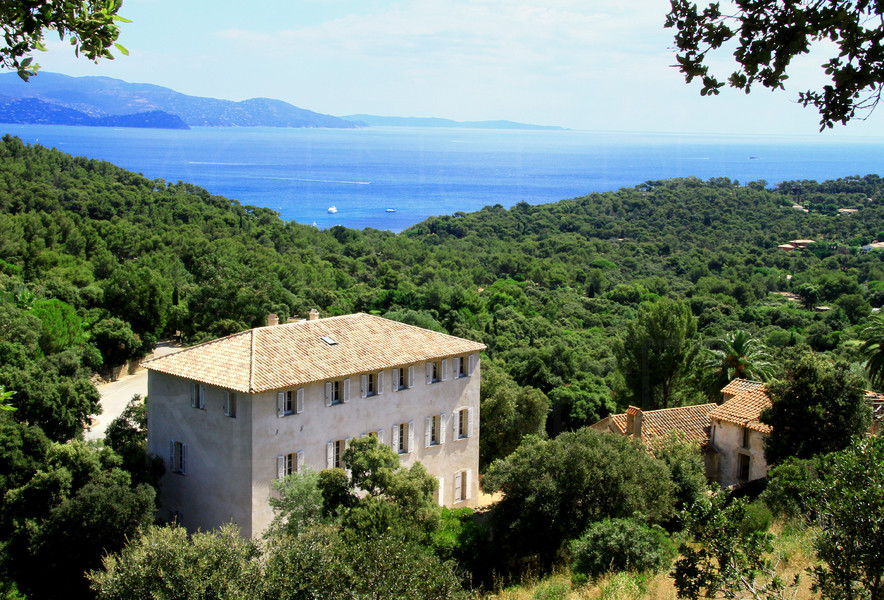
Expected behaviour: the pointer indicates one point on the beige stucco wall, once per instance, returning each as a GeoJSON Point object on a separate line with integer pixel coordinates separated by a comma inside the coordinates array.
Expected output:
{"type": "Point", "coordinates": [215, 488]}
{"type": "Point", "coordinates": [727, 439]}
{"type": "Point", "coordinates": [232, 462]}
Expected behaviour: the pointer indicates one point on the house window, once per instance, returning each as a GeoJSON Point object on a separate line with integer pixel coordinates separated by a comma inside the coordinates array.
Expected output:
{"type": "Point", "coordinates": [460, 366]}
{"type": "Point", "coordinates": [229, 404]}
{"type": "Point", "coordinates": [289, 464]}
{"type": "Point", "coordinates": [463, 423]}
{"type": "Point", "coordinates": [337, 392]}
{"type": "Point", "coordinates": [744, 467]}
{"type": "Point", "coordinates": [403, 437]}
{"type": "Point", "coordinates": [372, 384]}
{"type": "Point", "coordinates": [290, 402]}
{"type": "Point", "coordinates": [746, 434]}
{"type": "Point", "coordinates": [178, 457]}
{"type": "Point", "coordinates": [434, 432]}
{"type": "Point", "coordinates": [437, 370]}
{"type": "Point", "coordinates": [462, 485]}
{"type": "Point", "coordinates": [197, 395]}
{"type": "Point", "coordinates": [403, 378]}
{"type": "Point", "coordinates": [335, 453]}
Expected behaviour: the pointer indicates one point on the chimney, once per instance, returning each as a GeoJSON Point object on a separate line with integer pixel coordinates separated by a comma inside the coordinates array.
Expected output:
{"type": "Point", "coordinates": [634, 422]}
{"type": "Point", "coordinates": [272, 320]}
{"type": "Point", "coordinates": [314, 314]}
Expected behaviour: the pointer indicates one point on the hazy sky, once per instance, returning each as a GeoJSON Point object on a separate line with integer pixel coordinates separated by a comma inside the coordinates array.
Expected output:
{"type": "Point", "coordinates": [591, 64]}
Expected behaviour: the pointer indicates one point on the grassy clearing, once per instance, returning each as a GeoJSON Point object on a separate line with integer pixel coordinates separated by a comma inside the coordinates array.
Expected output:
{"type": "Point", "coordinates": [793, 546]}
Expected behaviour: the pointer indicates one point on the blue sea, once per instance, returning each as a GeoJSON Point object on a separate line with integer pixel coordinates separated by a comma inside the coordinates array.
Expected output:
{"type": "Point", "coordinates": [420, 172]}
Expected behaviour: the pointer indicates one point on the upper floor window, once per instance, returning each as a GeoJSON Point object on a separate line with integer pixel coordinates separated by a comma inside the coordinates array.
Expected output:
{"type": "Point", "coordinates": [434, 432]}
{"type": "Point", "coordinates": [177, 457]}
{"type": "Point", "coordinates": [746, 434]}
{"type": "Point", "coordinates": [464, 365]}
{"type": "Point", "coordinates": [197, 395]}
{"type": "Point", "coordinates": [437, 370]}
{"type": "Point", "coordinates": [463, 423]}
{"type": "Point", "coordinates": [290, 402]}
{"type": "Point", "coordinates": [372, 384]}
{"type": "Point", "coordinates": [335, 454]}
{"type": "Point", "coordinates": [337, 391]}
{"type": "Point", "coordinates": [229, 404]}
{"type": "Point", "coordinates": [403, 378]}
{"type": "Point", "coordinates": [403, 437]}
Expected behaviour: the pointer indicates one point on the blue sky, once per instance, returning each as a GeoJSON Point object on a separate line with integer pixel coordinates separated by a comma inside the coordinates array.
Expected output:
{"type": "Point", "coordinates": [590, 65]}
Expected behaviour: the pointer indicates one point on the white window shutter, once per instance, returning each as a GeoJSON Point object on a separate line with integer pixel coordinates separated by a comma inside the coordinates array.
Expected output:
{"type": "Point", "coordinates": [300, 460]}
{"type": "Point", "coordinates": [330, 455]}
{"type": "Point", "coordinates": [470, 422]}
{"type": "Point", "coordinates": [280, 404]}
{"type": "Point", "coordinates": [410, 436]}
{"type": "Point", "coordinates": [472, 364]}
{"type": "Point", "coordinates": [397, 379]}
{"type": "Point", "coordinates": [444, 369]}
{"type": "Point", "coordinates": [458, 483]}
{"type": "Point", "coordinates": [183, 459]}
{"type": "Point", "coordinates": [428, 431]}
{"type": "Point", "coordinates": [429, 372]}
{"type": "Point", "coordinates": [226, 403]}
{"type": "Point", "coordinates": [442, 428]}
{"type": "Point", "coordinates": [468, 483]}
{"type": "Point", "coordinates": [380, 436]}
{"type": "Point", "coordinates": [457, 361]}
{"type": "Point", "coordinates": [347, 390]}
{"type": "Point", "coordinates": [363, 386]}
{"type": "Point", "coordinates": [193, 394]}
{"type": "Point", "coordinates": [280, 466]}
{"type": "Point", "coordinates": [202, 397]}
{"type": "Point", "coordinates": [299, 400]}
{"type": "Point", "coordinates": [441, 491]}
{"type": "Point", "coordinates": [455, 424]}
{"type": "Point", "coordinates": [380, 376]}
{"type": "Point", "coordinates": [328, 393]}
{"type": "Point", "coordinates": [411, 376]}
{"type": "Point", "coordinates": [394, 441]}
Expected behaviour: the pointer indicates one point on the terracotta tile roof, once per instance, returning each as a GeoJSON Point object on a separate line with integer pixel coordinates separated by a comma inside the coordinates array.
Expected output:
{"type": "Point", "coordinates": [749, 399]}
{"type": "Point", "coordinates": [656, 425]}
{"type": "Point", "coordinates": [282, 356]}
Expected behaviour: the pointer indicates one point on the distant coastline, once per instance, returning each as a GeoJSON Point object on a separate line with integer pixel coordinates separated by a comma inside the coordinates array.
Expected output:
{"type": "Point", "coordinates": [56, 99]}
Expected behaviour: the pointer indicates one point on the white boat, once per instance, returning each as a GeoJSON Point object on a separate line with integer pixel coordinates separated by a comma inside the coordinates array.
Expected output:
{"type": "Point", "coordinates": [391, 210]}
{"type": "Point", "coordinates": [332, 209]}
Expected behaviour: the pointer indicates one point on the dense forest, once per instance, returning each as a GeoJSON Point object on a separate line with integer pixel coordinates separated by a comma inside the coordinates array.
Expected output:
{"type": "Point", "coordinates": [98, 263]}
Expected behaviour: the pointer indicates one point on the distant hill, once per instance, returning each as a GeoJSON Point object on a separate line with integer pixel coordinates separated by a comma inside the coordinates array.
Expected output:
{"type": "Point", "coordinates": [37, 112]}
{"type": "Point", "coordinates": [103, 97]}
{"type": "Point", "coordinates": [378, 121]}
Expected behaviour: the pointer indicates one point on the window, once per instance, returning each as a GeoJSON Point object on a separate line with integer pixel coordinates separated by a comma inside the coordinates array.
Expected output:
{"type": "Point", "coordinates": [403, 437]}
{"type": "Point", "coordinates": [335, 454]}
{"type": "Point", "coordinates": [745, 460]}
{"type": "Point", "coordinates": [378, 434]}
{"type": "Point", "coordinates": [337, 392]}
{"type": "Point", "coordinates": [463, 423]}
{"type": "Point", "coordinates": [177, 457]}
{"type": "Point", "coordinates": [288, 464]}
{"type": "Point", "coordinates": [229, 404]}
{"type": "Point", "coordinates": [372, 384]}
{"type": "Point", "coordinates": [746, 434]}
{"type": "Point", "coordinates": [197, 395]}
{"type": "Point", "coordinates": [462, 484]}
{"type": "Point", "coordinates": [403, 378]}
{"type": "Point", "coordinates": [290, 402]}
{"type": "Point", "coordinates": [434, 432]}
{"type": "Point", "coordinates": [437, 370]}
{"type": "Point", "coordinates": [460, 366]}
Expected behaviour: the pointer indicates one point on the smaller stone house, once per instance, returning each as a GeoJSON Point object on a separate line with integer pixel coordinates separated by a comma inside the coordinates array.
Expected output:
{"type": "Point", "coordinates": [737, 435]}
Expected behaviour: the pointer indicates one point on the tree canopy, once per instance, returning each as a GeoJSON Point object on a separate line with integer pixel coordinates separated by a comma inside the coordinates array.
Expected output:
{"type": "Point", "coordinates": [769, 35]}
{"type": "Point", "coordinates": [91, 26]}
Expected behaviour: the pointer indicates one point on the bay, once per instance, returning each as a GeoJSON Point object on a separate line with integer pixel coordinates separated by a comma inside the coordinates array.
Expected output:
{"type": "Point", "coordinates": [421, 172]}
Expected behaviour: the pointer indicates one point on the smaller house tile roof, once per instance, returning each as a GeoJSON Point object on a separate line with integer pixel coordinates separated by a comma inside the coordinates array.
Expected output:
{"type": "Point", "coordinates": [293, 354]}
{"type": "Point", "coordinates": [657, 425]}
{"type": "Point", "coordinates": [745, 399]}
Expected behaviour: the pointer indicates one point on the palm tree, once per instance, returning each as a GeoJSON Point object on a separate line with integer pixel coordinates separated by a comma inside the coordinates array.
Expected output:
{"type": "Point", "coordinates": [737, 355]}
{"type": "Point", "coordinates": [873, 349]}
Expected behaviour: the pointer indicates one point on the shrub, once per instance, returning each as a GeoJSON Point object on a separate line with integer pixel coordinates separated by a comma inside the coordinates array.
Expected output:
{"type": "Point", "coordinates": [758, 518]}
{"type": "Point", "coordinates": [621, 545]}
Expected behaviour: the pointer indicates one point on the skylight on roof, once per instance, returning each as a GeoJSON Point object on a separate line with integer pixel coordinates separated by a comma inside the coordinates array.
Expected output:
{"type": "Point", "coordinates": [329, 340]}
